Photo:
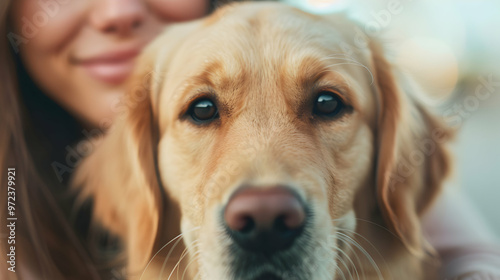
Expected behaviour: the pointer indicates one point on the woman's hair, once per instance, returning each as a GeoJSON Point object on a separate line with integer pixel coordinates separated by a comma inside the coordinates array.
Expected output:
{"type": "Point", "coordinates": [46, 244]}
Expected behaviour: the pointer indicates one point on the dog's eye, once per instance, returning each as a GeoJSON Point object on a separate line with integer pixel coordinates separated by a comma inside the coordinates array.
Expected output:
{"type": "Point", "coordinates": [203, 110]}
{"type": "Point", "coordinates": [327, 104]}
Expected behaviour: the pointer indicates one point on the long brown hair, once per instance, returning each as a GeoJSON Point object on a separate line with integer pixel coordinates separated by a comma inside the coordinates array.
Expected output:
{"type": "Point", "coordinates": [46, 245]}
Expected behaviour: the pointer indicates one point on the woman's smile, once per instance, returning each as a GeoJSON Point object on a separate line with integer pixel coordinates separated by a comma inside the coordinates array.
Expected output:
{"type": "Point", "coordinates": [83, 56]}
{"type": "Point", "coordinates": [112, 67]}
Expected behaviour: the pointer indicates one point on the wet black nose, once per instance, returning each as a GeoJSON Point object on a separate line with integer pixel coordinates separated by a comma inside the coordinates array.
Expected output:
{"type": "Point", "coordinates": [264, 220]}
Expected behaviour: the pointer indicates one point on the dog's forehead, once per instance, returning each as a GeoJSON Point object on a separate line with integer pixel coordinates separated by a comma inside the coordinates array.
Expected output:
{"type": "Point", "coordinates": [240, 34]}
{"type": "Point", "coordinates": [275, 22]}
{"type": "Point", "coordinates": [262, 45]}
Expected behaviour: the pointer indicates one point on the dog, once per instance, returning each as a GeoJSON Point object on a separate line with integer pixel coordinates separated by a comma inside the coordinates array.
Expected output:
{"type": "Point", "coordinates": [263, 142]}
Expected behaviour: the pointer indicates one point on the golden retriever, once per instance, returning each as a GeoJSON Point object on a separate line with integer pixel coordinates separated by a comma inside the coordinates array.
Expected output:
{"type": "Point", "coordinates": [266, 143]}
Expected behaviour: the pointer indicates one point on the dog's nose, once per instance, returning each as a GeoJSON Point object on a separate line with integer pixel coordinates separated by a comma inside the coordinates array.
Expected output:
{"type": "Point", "coordinates": [265, 220]}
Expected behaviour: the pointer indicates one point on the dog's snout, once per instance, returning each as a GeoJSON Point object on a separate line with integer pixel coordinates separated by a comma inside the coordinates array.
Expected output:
{"type": "Point", "coordinates": [264, 220]}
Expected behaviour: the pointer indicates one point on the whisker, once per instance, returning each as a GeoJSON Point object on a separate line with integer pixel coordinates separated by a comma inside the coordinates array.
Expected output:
{"type": "Point", "coordinates": [196, 256]}
{"type": "Point", "coordinates": [368, 256]}
{"type": "Point", "coordinates": [349, 246]}
{"type": "Point", "coordinates": [368, 241]}
{"type": "Point", "coordinates": [349, 59]}
{"type": "Point", "coordinates": [342, 239]}
{"type": "Point", "coordinates": [380, 226]}
{"type": "Point", "coordinates": [168, 257]}
{"type": "Point", "coordinates": [338, 56]}
{"type": "Point", "coordinates": [163, 247]}
{"type": "Point", "coordinates": [349, 259]}
{"type": "Point", "coordinates": [356, 64]}
{"type": "Point", "coordinates": [372, 223]}
{"type": "Point", "coordinates": [197, 275]}
{"type": "Point", "coordinates": [184, 254]}
{"type": "Point", "coordinates": [341, 272]}
{"type": "Point", "coordinates": [364, 238]}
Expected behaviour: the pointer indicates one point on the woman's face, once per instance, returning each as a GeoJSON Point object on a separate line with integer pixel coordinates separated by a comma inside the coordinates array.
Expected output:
{"type": "Point", "coordinates": [80, 52]}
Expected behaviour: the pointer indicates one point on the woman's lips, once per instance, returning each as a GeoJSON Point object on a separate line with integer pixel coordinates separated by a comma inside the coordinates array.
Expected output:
{"type": "Point", "coordinates": [111, 67]}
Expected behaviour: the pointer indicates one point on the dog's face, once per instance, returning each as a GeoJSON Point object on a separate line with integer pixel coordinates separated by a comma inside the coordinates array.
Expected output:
{"type": "Point", "coordinates": [274, 140]}
{"type": "Point", "coordinates": [254, 100]}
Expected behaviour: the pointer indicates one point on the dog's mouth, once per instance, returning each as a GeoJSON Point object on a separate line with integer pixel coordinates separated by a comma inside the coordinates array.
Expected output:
{"type": "Point", "coordinates": [251, 265]}
{"type": "Point", "coordinates": [247, 265]}
{"type": "Point", "coordinates": [268, 276]}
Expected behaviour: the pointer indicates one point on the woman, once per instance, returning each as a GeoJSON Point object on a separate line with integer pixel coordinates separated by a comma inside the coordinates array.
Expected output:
{"type": "Point", "coordinates": [62, 70]}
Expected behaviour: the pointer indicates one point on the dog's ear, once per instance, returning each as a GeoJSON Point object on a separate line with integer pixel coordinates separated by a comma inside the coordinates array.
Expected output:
{"type": "Point", "coordinates": [412, 161]}
{"type": "Point", "coordinates": [120, 174]}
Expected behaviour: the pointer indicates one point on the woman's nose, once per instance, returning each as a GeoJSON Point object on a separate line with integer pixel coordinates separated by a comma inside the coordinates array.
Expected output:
{"type": "Point", "coordinates": [118, 16]}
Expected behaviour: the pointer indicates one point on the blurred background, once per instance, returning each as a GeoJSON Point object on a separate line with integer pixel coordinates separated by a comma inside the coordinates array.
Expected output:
{"type": "Point", "coordinates": [452, 48]}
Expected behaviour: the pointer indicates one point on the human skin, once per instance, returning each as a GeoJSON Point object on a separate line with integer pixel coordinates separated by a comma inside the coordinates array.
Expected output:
{"type": "Point", "coordinates": [80, 53]}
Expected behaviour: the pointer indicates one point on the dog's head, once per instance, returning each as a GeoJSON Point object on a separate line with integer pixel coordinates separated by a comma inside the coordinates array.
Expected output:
{"type": "Point", "coordinates": [274, 136]}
